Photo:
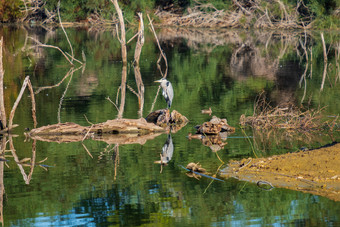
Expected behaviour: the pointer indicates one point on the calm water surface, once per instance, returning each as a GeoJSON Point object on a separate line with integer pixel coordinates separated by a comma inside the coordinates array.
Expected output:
{"type": "Point", "coordinates": [120, 184]}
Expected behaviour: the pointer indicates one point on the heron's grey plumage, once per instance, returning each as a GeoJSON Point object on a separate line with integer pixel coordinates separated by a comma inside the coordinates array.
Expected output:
{"type": "Point", "coordinates": [168, 91]}
{"type": "Point", "coordinates": [167, 150]}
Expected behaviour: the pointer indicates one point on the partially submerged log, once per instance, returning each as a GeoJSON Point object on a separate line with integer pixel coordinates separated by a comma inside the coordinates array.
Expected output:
{"type": "Point", "coordinates": [116, 126]}
{"type": "Point", "coordinates": [123, 138]}
{"type": "Point", "coordinates": [315, 171]}
{"type": "Point", "coordinates": [74, 132]}
{"type": "Point", "coordinates": [120, 131]}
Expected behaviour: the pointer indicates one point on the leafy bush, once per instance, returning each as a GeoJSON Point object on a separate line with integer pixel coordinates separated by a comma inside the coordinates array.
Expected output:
{"type": "Point", "coordinates": [10, 10]}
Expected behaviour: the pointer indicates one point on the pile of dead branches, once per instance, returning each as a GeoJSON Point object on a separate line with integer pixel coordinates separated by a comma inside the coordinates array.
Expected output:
{"type": "Point", "coordinates": [244, 14]}
{"type": "Point", "coordinates": [35, 10]}
{"type": "Point", "coordinates": [288, 118]}
{"type": "Point", "coordinates": [197, 17]}
{"type": "Point", "coordinates": [96, 19]}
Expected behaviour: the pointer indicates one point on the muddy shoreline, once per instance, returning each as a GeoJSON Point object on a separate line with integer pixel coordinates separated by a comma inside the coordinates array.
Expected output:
{"type": "Point", "coordinates": [314, 171]}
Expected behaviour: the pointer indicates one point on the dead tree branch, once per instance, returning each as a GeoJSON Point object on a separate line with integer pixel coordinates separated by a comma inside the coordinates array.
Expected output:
{"type": "Point", "coordinates": [160, 48]}
{"type": "Point", "coordinates": [122, 38]}
{"type": "Point", "coordinates": [2, 101]}
{"type": "Point", "coordinates": [324, 61]}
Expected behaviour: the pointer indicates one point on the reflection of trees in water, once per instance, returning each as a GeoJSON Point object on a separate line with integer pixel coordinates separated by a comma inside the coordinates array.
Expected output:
{"type": "Point", "coordinates": [247, 61]}
{"type": "Point", "coordinates": [254, 54]}
{"type": "Point", "coordinates": [2, 186]}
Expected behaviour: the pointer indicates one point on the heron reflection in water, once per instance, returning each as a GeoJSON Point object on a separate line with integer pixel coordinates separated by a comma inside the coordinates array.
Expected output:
{"type": "Point", "coordinates": [168, 91]}
{"type": "Point", "coordinates": [167, 151]}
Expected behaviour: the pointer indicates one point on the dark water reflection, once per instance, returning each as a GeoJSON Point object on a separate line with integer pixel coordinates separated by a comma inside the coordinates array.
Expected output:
{"type": "Point", "coordinates": [123, 184]}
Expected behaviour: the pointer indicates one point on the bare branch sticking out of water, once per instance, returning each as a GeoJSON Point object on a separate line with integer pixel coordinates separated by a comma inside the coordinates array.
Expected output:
{"type": "Point", "coordinates": [62, 27]}
{"type": "Point", "coordinates": [158, 65]}
{"type": "Point", "coordinates": [2, 101]}
{"type": "Point", "coordinates": [108, 98]}
{"type": "Point", "coordinates": [160, 48]}
{"type": "Point", "coordinates": [62, 97]}
{"type": "Point", "coordinates": [337, 59]}
{"type": "Point", "coordinates": [51, 46]}
{"type": "Point", "coordinates": [30, 88]}
{"type": "Point", "coordinates": [324, 61]}
{"type": "Point", "coordinates": [140, 39]}
{"type": "Point", "coordinates": [122, 38]}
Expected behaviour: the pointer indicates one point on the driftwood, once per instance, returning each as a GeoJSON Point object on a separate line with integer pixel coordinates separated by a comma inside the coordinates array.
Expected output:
{"type": "Point", "coordinates": [315, 171]}
{"type": "Point", "coordinates": [117, 131]}
{"type": "Point", "coordinates": [117, 126]}
{"type": "Point", "coordinates": [71, 132]}
{"type": "Point", "coordinates": [126, 138]}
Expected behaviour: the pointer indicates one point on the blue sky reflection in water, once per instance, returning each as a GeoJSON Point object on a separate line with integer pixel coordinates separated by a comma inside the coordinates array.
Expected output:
{"type": "Point", "coordinates": [122, 184]}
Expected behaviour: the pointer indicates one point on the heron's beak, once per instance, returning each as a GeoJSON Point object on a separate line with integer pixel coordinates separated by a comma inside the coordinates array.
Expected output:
{"type": "Point", "coordinates": [158, 81]}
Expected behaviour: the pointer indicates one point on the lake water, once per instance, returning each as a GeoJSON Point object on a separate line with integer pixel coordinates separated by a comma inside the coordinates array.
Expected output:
{"type": "Point", "coordinates": [98, 183]}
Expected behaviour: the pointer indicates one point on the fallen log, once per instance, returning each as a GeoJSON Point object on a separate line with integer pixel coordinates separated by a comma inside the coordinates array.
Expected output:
{"type": "Point", "coordinates": [116, 126]}
{"type": "Point", "coordinates": [315, 171]}
{"type": "Point", "coordinates": [124, 138]}
{"type": "Point", "coordinates": [120, 131]}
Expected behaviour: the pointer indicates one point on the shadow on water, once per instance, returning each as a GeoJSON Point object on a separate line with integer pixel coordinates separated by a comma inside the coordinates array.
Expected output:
{"type": "Point", "coordinates": [116, 180]}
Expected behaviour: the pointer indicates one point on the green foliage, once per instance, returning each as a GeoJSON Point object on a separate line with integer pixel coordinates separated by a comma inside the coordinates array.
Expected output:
{"type": "Point", "coordinates": [132, 7]}
{"type": "Point", "coordinates": [79, 10]}
{"type": "Point", "coordinates": [10, 10]}
{"type": "Point", "coordinates": [75, 10]}
{"type": "Point", "coordinates": [322, 12]}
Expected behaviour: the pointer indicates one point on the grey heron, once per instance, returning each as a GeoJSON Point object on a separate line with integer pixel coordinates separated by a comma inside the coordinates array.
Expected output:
{"type": "Point", "coordinates": [168, 91]}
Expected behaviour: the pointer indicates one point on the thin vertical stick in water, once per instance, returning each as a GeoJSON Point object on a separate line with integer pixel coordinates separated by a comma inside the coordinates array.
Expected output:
{"type": "Point", "coordinates": [337, 59]}
{"type": "Point", "coordinates": [324, 61]}
{"type": "Point", "coordinates": [2, 101]}
{"type": "Point", "coordinates": [62, 27]}
{"type": "Point", "coordinates": [122, 41]}
{"type": "Point", "coordinates": [140, 87]}
{"type": "Point", "coordinates": [122, 38]}
{"type": "Point", "coordinates": [30, 88]}
{"type": "Point", "coordinates": [159, 46]}
{"type": "Point", "coordinates": [62, 97]}
{"type": "Point", "coordinates": [140, 39]}
{"type": "Point", "coordinates": [2, 186]}
{"type": "Point", "coordinates": [122, 92]}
